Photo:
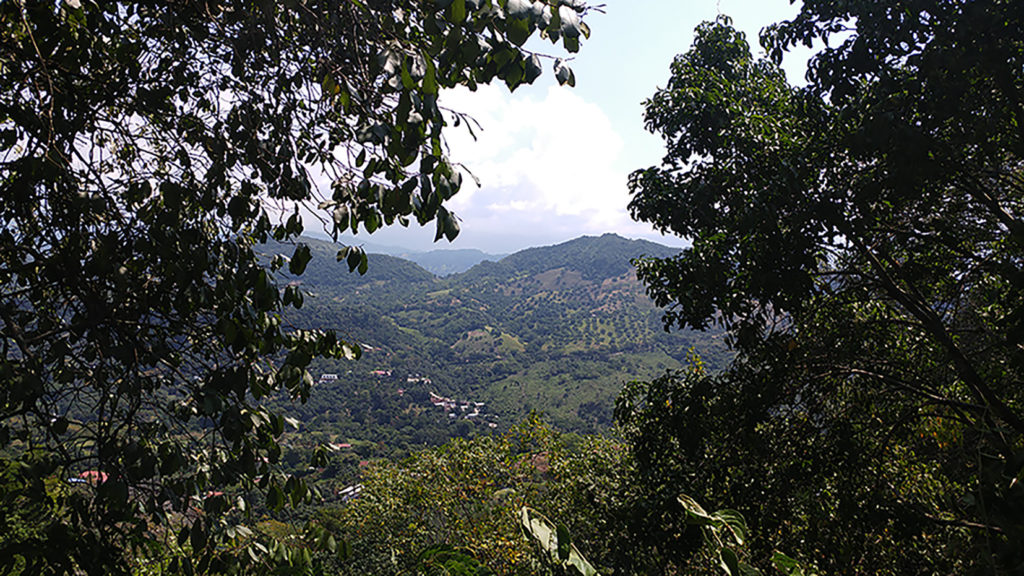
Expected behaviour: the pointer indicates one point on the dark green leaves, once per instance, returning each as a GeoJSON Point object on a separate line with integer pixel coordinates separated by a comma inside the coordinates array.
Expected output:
{"type": "Point", "coordinates": [300, 258]}
{"type": "Point", "coordinates": [355, 257]}
{"type": "Point", "coordinates": [724, 531]}
{"type": "Point", "coordinates": [564, 542]}
{"type": "Point", "coordinates": [532, 70]}
{"type": "Point", "coordinates": [835, 233]}
{"type": "Point", "coordinates": [521, 21]}
{"type": "Point", "coordinates": [275, 497]}
{"type": "Point", "coordinates": [791, 567]}
{"type": "Point", "coordinates": [563, 73]}
{"type": "Point", "coordinates": [139, 202]}
{"type": "Point", "coordinates": [518, 31]}
{"type": "Point", "coordinates": [198, 536]}
{"type": "Point", "coordinates": [457, 11]}
{"type": "Point", "coordinates": [447, 225]}
{"type": "Point", "coordinates": [555, 542]}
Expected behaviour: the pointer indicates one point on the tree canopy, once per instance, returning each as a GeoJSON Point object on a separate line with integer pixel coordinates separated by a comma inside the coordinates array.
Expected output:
{"type": "Point", "coordinates": [147, 151]}
{"type": "Point", "coordinates": [861, 239]}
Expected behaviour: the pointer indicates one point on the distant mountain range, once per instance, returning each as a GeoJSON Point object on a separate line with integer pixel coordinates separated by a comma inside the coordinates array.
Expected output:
{"type": "Point", "coordinates": [445, 262]}
{"type": "Point", "coordinates": [439, 262]}
{"type": "Point", "coordinates": [557, 329]}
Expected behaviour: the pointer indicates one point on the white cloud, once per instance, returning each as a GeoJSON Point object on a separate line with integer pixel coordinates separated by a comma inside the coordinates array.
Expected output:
{"type": "Point", "coordinates": [548, 161]}
{"type": "Point", "coordinates": [550, 167]}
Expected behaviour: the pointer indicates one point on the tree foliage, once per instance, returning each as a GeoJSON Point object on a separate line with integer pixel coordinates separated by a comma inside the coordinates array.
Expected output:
{"type": "Point", "coordinates": [146, 151]}
{"type": "Point", "coordinates": [861, 239]}
{"type": "Point", "coordinates": [530, 501]}
{"type": "Point", "coordinates": [465, 494]}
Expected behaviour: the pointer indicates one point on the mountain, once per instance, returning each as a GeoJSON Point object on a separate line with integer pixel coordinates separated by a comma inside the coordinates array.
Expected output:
{"type": "Point", "coordinates": [594, 257]}
{"type": "Point", "coordinates": [556, 329]}
{"type": "Point", "coordinates": [324, 271]}
{"type": "Point", "coordinates": [440, 262]}
{"type": "Point", "coordinates": [447, 262]}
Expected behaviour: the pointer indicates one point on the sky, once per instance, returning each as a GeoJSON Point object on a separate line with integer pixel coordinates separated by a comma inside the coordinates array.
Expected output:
{"type": "Point", "coordinates": [553, 161]}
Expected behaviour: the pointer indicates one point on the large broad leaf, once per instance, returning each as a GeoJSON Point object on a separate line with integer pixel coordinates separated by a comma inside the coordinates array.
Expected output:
{"type": "Point", "coordinates": [541, 530]}
{"type": "Point", "coordinates": [735, 523]}
{"type": "Point", "coordinates": [519, 8]}
{"type": "Point", "coordinates": [518, 30]}
{"type": "Point", "coordinates": [694, 511]}
{"type": "Point", "coordinates": [533, 69]}
{"type": "Point", "coordinates": [729, 562]}
{"type": "Point", "coordinates": [457, 11]}
{"type": "Point", "coordinates": [570, 21]}
{"type": "Point", "coordinates": [790, 566]}
{"type": "Point", "coordinates": [300, 259]}
{"type": "Point", "coordinates": [564, 74]}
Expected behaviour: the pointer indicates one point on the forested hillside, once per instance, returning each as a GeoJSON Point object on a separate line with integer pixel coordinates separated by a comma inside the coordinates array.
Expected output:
{"type": "Point", "coordinates": [557, 330]}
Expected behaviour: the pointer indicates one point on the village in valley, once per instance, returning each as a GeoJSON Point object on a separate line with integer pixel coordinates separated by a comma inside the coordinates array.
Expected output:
{"type": "Point", "coordinates": [455, 409]}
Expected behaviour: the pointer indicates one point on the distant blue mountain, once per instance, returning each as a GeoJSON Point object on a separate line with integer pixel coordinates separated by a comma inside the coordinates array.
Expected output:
{"type": "Point", "coordinates": [440, 262]}
{"type": "Point", "coordinates": [447, 262]}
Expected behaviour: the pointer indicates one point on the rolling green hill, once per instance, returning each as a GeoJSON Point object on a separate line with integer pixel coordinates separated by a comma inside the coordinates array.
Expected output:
{"type": "Point", "coordinates": [556, 329]}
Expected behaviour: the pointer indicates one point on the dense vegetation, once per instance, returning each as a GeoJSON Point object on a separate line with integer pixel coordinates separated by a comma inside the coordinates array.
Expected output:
{"type": "Point", "coordinates": [526, 334]}
{"type": "Point", "coordinates": [860, 240]}
{"type": "Point", "coordinates": [145, 149]}
{"type": "Point", "coordinates": [857, 240]}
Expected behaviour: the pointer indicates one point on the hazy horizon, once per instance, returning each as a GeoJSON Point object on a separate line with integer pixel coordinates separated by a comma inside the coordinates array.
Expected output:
{"type": "Point", "coordinates": [397, 238]}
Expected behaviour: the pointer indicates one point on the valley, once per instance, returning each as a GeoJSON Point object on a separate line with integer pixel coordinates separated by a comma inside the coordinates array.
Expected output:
{"type": "Point", "coordinates": [556, 331]}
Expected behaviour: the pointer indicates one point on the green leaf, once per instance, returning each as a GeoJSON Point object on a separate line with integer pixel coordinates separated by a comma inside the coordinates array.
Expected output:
{"type": "Point", "coordinates": [513, 73]}
{"type": "Point", "coordinates": [355, 257]}
{"type": "Point", "coordinates": [275, 497]}
{"type": "Point", "coordinates": [329, 86]}
{"type": "Point", "coordinates": [518, 31]}
{"type": "Point", "coordinates": [457, 12]}
{"type": "Point", "coordinates": [564, 74]}
{"type": "Point", "coordinates": [572, 45]}
{"type": "Point", "coordinates": [729, 562]}
{"type": "Point", "coordinates": [430, 78]}
{"type": "Point", "coordinates": [734, 520]}
{"type": "Point", "coordinates": [694, 511]}
{"type": "Point", "coordinates": [533, 69]}
{"type": "Point", "coordinates": [519, 8]}
{"type": "Point", "coordinates": [451, 227]}
{"type": "Point", "coordinates": [564, 541]}
{"type": "Point", "coordinates": [407, 82]}
{"type": "Point", "coordinates": [569, 21]}
{"type": "Point", "coordinates": [198, 536]}
{"type": "Point", "coordinates": [300, 259]}
{"type": "Point", "coordinates": [539, 529]}
{"type": "Point", "coordinates": [372, 221]}
{"type": "Point", "coordinates": [786, 565]}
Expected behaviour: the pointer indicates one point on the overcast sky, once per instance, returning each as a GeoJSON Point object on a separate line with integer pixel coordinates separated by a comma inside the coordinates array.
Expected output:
{"type": "Point", "coordinates": [553, 162]}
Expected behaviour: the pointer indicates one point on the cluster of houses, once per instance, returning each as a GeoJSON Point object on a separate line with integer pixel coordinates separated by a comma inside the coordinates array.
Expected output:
{"type": "Point", "coordinates": [411, 378]}
{"type": "Point", "coordinates": [455, 409]}
{"type": "Point", "coordinates": [330, 377]}
{"type": "Point", "coordinates": [464, 408]}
